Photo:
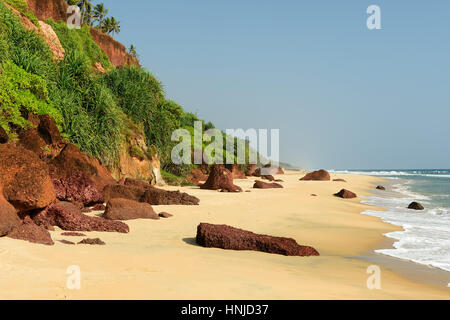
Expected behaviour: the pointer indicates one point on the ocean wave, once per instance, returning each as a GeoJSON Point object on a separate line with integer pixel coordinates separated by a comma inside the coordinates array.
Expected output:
{"type": "Point", "coordinates": [425, 173]}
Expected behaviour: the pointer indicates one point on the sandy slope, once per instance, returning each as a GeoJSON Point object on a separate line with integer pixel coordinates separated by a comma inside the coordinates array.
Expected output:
{"type": "Point", "coordinates": [159, 259]}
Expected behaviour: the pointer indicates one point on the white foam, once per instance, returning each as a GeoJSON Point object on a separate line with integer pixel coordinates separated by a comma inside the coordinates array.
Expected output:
{"type": "Point", "coordinates": [435, 174]}
{"type": "Point", "coordinates": [425, 236]}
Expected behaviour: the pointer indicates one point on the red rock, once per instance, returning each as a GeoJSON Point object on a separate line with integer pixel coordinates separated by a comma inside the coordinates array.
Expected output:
{"type": "Point", "coordinates": [31, 232]}
{"type": "Point", "coordinates": [251, 168]}
{"type": "Point", "coordinates": [196, 176]}
{"type": "Point", "coordinates": [220, 179]}
{"type": "Point", "coordinates": [155, 196]}
{"type": "Point", "coordinates": [73, 234]}
{"type": "Point", "coordinates": [71, 160]}
{"type": "Point", "coordinates": [339, 180]}
{"type": "Point", "coordinates": [165, 215]}
{"type": "Point", "coordinates": [77, 187]}
{"type": "Point", "coordinates": [226, 237]}
{"type": "Point", "coordinates": [265, 185]}
{"type": "Point", "coordinates": [116, 52]}
{"type": "Point", "coordinates": [8, 217]}
{"type": "Point", "coordinates": [25, 179]}
{"type": "Point", "coordinates": [48, 130]}
{"type": "Point", "coordinates": [345, 194]}
{"type": "Point", "coordinates": [69, 218]}
{"type": "Point", "coordinates": [67, 242]}
{"type": "Point", "coordinates": [268, 177]}
{"type": "Point", "coordinates": [92, 242]}
{"type": "Point", "coordinates": [321, 175]}
{"type": "Point", "coordinates": [148, 194]}
{"type": "Point", "coordinates": [123, 209]}
{"type": "Point", "coordinates": [99, 207]}
{"type": "Point", "coordinates": [45, 9]}
{"type": "Point", "coordinates": [113, 191]}
{"type": "Point", "coordinates": [236, 171]}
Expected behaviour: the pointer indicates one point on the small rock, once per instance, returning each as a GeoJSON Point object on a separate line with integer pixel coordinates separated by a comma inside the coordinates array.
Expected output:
{"type": "Point", "coordinates": [381, 188]}
{"type": "Point", "coordinates": [73, 234]}
{"type": "Point", "coordinates": [67, 242]}
{"type": "Point", "coordinates": [416, 206]}
{"type": "Point", "coordinates": [99, 207]}
{"type": "Point", "coordinates": [339, 180]}
{"type": "Point", "coordinates": [345, 194]}
{"type": "Point", "coordinates": [165, 215]}
{"type": "Point", "coordinates": [91, 242]}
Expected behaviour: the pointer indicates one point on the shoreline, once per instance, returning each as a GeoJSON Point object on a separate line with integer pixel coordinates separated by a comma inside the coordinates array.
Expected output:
{"type": "Point", "coordinates": [413, 270]}
{"type": "Point", "coordinates": [160, 259]}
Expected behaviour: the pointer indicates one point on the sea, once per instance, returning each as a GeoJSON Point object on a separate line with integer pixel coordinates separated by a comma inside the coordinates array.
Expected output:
{"type": "Point", "coordinates": [425, 238]}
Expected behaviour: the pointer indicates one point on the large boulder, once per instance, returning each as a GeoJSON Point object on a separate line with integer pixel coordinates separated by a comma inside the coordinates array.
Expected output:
{"type": "Point", "coordinates": [31, 232]}
{"type": "Point", "coordinates": [416, 206]}
{"type": "Point", "coordinates": [345, 194]}
{"type": "Point", "coordinates": [113, 191]}
{"type": "Point", "coordinates": [265, 185]}
{"type": "Point", "coordinates": [69, 217]}
{"type": "Point", "coordinates": [226, 237]}
{"type": "Point", "coordinates": [78, 187]}
{"type": "Point", "coordinates": [123, 209]}
{"type": "Point", "coordinates": [220, 179]}
{"type": "Point", "coordinates": [321, 175]}
{"type": "Point", "coordinates": [25, 179]}
{"type": "Point", "coordinates": [8, 217]}
{"type": "Point", "coordinates": [71, 160]}
{"type": "Point", "coordinates": [141, 191]}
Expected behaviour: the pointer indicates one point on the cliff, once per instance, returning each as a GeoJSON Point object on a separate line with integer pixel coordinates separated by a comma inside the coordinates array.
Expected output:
{"type": "Point", "coordinates": [48, 9]}
{"type": "Point", "coordinates": [116, 51]}
{"type": "Point", "coordinates": [57, 10]}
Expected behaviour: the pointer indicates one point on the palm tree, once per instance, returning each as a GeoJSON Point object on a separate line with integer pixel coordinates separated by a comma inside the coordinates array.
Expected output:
{"type": "Point", "coordinates": [114, 26]}
{"type": "Point", "coordinates": [132, 51]}
{"type": "Point", "coordinates": [100, 13]}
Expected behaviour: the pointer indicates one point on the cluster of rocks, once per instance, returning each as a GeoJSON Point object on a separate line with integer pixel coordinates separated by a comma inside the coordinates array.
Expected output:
{"type": "Point", "coordinates": [47, 182]}
{"type": "Point", "coordinates": [229, 238]}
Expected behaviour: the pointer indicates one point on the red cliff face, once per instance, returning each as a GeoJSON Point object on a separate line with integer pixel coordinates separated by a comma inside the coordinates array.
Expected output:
{"type": "Point", "coordinates": [116, 51]}
{"type": "Point", "coordinates": [45, 9]}
{"type": "Point", "coordinates": [57, 10]}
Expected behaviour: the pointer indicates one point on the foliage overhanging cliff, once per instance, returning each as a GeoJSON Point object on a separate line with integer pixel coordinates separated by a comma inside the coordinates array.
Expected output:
{"type": "Point", "coordinates": [92, 99]}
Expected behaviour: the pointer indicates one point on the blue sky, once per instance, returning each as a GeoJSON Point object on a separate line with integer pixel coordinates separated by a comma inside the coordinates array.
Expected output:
{"type": "Point", "coordinates": [342, 96]}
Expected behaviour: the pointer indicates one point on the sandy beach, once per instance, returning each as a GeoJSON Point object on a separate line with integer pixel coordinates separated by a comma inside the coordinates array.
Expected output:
{"type": "Point", "coordinates": [160, 259]}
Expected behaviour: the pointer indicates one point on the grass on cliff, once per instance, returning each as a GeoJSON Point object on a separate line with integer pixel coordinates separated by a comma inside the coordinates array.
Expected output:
{"type": "Point", "coordinates": [22, 6]}
{"type": "Point", "coordinates": [80, 40]}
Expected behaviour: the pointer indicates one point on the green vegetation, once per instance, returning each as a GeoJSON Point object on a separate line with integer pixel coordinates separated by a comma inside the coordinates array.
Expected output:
{"type": "Point", "coordinates": [80, 40]}
{"type": "Point", "coordinates": [95, 111]}
{"type": "Point", "coordinates": [22, 6]}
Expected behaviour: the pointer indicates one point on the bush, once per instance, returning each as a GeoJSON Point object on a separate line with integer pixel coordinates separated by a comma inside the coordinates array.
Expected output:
{"type": "Point", "coordinates": [80, 40]}
{"type": "Point", "coordinates": [20, 93]}
{"type": "Point", "coordinates": [22, 6]}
